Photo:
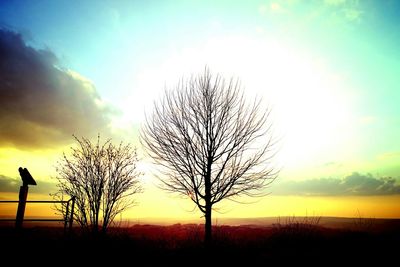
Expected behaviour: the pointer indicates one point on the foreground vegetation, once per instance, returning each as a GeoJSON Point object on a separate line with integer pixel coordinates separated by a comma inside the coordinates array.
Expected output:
{"type": "Point", "coordinates": [181, 245]}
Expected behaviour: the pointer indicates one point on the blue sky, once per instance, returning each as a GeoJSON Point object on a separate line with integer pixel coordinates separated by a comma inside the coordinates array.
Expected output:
{"type": "Point", "coordinates": [330, 69]}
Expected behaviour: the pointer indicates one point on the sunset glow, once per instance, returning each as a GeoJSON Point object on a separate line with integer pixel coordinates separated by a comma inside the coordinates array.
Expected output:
{"type": "Point", "coordinates": [328, 69]}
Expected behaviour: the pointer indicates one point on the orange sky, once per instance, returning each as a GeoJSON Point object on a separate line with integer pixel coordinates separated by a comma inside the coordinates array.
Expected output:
{"type": "Point", "coordinates": [328, 69]}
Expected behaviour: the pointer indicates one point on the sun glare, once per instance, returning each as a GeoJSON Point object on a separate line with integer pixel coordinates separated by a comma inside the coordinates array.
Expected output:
{"type": "Point", "coordinates": [311, 113]}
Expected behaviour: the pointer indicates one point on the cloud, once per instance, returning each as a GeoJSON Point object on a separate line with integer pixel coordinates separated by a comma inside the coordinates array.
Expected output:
{"type": "Point", "coordinates": [349, 10]}
{"type": "Point", "coordinates": [334, 2]}
{"type": "Point", "coordinates": [276, 7]}
{"type": "Point", "coordinates": [353, 14]}
{"type": "Point", "coordinates": [304, 12]}
{"type": "Point", "coordinates": [8, 184]}
{"type": "Point", "coordinates": [389, 156]}
{"type": "Point", "coordinates": [355, 184]}
{"type": "Point", "coordinates": [367, 120]}
{"type": "Point", "coordinates": [332, 164]}
{"type": "Point", "coordinates": [41, 103]}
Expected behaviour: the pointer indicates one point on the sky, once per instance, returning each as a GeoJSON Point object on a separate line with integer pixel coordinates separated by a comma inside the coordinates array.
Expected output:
{"type": "Point", "coordinates": [328, 69]}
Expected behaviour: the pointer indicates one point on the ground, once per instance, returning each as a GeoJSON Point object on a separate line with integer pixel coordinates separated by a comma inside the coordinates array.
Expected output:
{"type": "Point", "coordinates": [295, 242]}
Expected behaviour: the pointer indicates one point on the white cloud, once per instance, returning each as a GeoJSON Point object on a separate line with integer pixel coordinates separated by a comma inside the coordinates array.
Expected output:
{"type": "Point", "coordinates": [263, 9]}
{"type": "Point", "coordinates": [335, 2]}
{"type": "Point", "coordinates": [389, 156]}
{"type": "Point", "coordinates": [353, 14]}
{"type": "Point", "coordinates": [355, 184]}
{"type": "Point", "coordinates": [367, 120]}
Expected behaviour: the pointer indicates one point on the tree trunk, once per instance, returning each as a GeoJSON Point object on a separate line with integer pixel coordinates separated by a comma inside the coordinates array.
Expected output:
{"type": "Point", "coordinates": [208, 235]}
{"type": "Point", "coordinates": [96, 222]}
{"type": "Point", "coordinates": [207, 185]}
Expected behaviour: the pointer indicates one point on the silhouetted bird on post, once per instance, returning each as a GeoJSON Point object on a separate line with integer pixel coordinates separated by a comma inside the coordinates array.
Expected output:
{"type": "Point", "coordinates": [26, 177]}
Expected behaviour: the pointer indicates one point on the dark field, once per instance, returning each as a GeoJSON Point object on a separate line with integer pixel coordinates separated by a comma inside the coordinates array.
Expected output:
{"type": "Point", "coordinates": [294, 242]}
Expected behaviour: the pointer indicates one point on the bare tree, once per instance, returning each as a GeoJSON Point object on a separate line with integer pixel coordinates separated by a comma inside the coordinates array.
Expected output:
{"type": "Point", "coordinates": [102, 177]}
{"type": "Point", "coordinates": [210, 143]}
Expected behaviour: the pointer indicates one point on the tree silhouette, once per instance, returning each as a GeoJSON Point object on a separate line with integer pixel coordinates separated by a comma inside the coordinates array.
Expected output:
{"type": "Point", "coordinates": [210, 143]}
{"type": "Point", "coordinates": [102, 177]}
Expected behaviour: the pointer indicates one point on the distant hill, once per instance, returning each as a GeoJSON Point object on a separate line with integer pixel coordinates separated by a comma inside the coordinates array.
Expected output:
{"type": "Point", "coordinates": [328, 222]}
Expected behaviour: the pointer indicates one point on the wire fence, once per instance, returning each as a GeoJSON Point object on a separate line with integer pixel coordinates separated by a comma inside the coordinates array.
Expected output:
{"type": "Point", "coordinates": [67, 219]}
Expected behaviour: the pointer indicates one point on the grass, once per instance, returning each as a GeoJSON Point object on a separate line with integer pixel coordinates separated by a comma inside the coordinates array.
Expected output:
{"type": "Point", "coordinates": [290, 240]}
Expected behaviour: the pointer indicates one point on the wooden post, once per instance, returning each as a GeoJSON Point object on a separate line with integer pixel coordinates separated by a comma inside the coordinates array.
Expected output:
{"type": "Point", "coordinates": [71, 219]}
{"type": "Point", "coordinates": [27, 179]}
{"type": "Point", "coordinates": [66, 218]}
{"type": "Point", "coordinates": [23, 194]}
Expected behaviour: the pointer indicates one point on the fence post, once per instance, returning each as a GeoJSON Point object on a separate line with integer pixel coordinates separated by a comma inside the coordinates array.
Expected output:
{"type": "Point", "coordinates": [66, 218]}
{"type": "Point", "coordinates": [27, 179]}
{"type": "Point", "coordinates": [23, 194]}
{"type": "Point", "coordinates": [71, 219]}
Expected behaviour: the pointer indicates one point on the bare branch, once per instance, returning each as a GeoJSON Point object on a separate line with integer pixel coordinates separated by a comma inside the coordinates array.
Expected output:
{"type": "Point", "coordinates": [209, 143]}
{"type": "Point", "coordinates": [102, 177]}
